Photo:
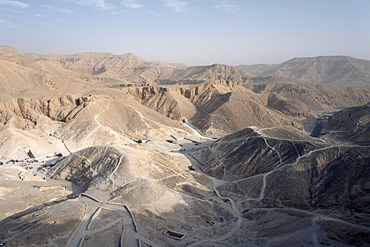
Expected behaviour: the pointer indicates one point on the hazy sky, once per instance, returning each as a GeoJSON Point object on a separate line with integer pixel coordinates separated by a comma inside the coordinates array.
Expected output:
{"type": "Point", "coordinates": [193, 32]}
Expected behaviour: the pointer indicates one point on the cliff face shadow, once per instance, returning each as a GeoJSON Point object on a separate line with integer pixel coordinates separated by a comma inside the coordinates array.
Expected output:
{"type": "Point", "coordinates": [311, 188]}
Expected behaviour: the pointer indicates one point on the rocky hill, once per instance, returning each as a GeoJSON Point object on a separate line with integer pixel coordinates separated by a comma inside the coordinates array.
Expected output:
{"type": "Point", "coordinates": [261, 170]}
{"type": "Point", "coordinates": [336, 70]}
{"type": "Point", "coordinates": [171, 195]}
{"type": "Point", "coordinates": [92, 155]}
{"type": "Point", "coordinates": [351, 124]}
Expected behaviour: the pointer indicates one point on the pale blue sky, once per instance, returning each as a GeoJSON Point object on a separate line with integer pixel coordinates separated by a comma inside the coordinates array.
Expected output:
{"type": "Point", "coordinates": [193, 32]}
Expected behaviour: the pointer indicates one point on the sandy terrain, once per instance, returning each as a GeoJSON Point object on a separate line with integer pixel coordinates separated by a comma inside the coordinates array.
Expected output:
{"type": "Point", "coordinates": [226, 160]}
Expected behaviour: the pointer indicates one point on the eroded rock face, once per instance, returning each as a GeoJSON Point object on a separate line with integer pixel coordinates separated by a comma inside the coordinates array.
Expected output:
{"type": "Point", "coordinates": [25, 113]}
{"type": "Point", "coordinates": [217, 108]}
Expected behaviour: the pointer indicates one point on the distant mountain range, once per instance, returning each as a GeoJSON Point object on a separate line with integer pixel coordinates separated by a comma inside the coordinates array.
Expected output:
{"type": "Point", "coordinates": [202, 94]}
{"type": "Point", "coordinates": [338, 70]}
{"type": "Point", "coordinates": [107, 68]}
{"type": "Point", "coordinates": [111, 69]}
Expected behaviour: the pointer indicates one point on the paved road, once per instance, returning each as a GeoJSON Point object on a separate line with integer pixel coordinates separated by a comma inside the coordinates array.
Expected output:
{"type": "Point", "coordinates": [129, 236]}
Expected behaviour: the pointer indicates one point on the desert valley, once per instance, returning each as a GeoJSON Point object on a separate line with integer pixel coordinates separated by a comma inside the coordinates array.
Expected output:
{"type": "Point", "coordinates": [98, 149]}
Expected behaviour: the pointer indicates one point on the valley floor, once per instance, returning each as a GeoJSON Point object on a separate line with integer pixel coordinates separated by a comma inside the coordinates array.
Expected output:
{"type": "Point", "coordinates": [28, 195]}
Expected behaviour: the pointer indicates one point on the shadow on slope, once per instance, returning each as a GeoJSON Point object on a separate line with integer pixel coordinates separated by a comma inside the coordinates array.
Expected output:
{"type": "Point", "coordinates": [350, 125]}
{"type": "Point", "coordinates": [52, 225]}
{"type": "Point", "coordinates": [216, 108]}
{"type": "Point", "coordinates": [261, 173]}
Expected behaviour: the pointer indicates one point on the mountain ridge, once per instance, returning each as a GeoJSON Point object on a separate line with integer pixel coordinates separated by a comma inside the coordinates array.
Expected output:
{"type": "Point", "coordinates": [338, 70]}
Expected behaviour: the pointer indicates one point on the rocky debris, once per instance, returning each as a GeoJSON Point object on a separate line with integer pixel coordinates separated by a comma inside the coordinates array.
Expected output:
{"type": "Point", "coordinates": [79, 169]}
{"type": "Point", "coordinates": [292, 227]}
{"type": "Point", "coordinates": [268, 162]}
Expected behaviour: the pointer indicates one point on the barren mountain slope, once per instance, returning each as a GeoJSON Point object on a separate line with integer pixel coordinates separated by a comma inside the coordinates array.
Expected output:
{"type": "Point", "coordinates": [230, 112]}
{"type": "Point", "coordinates": [50, 225]}
{"type": "Point", "coordinates": [129, 68]}
{"type": "Point", "coordinates": [337, 70]}
{"type": "Point", "coordinates": [117, 120]}
{"type": "Point", "coordinates": [90, 120]}
{"type": "Point", "coordinates": [273, 168]}
{"type": "Point", "coordinates": [126, 68]}
{"type": "Point", "coordinates": [158, 187]}
{"type": "Point", "coordinates": [40, 64]}
{"type": "Point", "coordinates": [351, 124]}
{"type": "Point", "coordinates": [316, 97]}
{"type": "Point", "coordinates": [290, 107]}
{"type": "Point", "coordinates": [216, 108]}
{"type": "Point", "coordinates": [17, 81]}
{"type": "Point", "coordinates": [201, 74]}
